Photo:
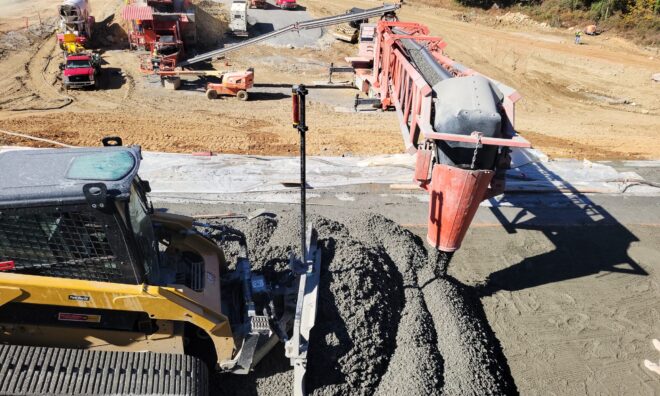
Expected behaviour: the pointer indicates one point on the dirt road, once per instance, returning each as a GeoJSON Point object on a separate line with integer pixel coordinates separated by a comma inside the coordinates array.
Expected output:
{"type": "Point", "coordinates": [594, 100]}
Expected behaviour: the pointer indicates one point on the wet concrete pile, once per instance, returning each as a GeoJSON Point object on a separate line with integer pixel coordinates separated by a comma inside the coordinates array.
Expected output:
{"type": "Point", "coordinates": [386, 323]}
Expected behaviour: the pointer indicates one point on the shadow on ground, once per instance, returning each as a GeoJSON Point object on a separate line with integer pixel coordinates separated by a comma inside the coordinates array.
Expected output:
{"type": "Point", "coordinates": [600, 243]}
{"type": "Point", "coordinates": [109, 34]}
{"type": "Point", "coordinates": [111, 78]}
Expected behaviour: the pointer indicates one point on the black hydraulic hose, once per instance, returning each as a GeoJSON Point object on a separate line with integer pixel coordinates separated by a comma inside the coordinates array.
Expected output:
{"type": "Point", "coordinates": [426, 63]}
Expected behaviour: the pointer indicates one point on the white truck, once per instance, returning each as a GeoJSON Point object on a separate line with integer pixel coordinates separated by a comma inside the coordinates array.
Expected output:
{"type": "Point", "coordinates": [239, 18]}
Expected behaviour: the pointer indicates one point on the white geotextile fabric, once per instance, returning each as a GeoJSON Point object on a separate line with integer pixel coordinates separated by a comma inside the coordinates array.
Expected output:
{"type": "Point", "coordinates": [531, 171]}
{"type": "Point", "coordinates": [231, 174]}
{"type": "Point", "coordinates": [262, 176]}
{"type": "Point", "coordinates": [228, 174]}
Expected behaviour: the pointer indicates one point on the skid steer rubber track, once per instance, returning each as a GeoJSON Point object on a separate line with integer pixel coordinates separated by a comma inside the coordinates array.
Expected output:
{"type": "Point", "coordinates": [28, 370]}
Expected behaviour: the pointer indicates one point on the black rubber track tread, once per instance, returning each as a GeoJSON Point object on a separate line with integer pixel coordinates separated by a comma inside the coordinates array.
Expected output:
{"type": "Point", "coordinates": [29, 370]}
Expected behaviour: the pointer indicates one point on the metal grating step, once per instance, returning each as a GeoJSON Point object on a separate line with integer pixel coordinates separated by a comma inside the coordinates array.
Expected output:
{"type": "Point", "coordinates": [28, 370]}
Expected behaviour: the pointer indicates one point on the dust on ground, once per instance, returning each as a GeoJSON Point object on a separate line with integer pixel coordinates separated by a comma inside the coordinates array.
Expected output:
{"type": "Point", "coordinates": [597, 98]}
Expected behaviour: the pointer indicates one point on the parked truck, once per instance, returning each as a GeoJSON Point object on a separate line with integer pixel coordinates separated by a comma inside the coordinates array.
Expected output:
{"type": "Point", "coordinates": [238, 22]}
{"type": "Point", "coordinates": [75, 18]}
{"type": "Point", "coordinates": [81, 70]}
{"type": "Point", "coordinates": [287, 4]}
{"type": "Point", "coordinates": [258, 4]}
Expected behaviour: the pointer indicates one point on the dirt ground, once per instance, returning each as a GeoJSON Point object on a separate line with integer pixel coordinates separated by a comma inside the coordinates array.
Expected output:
{"type": "Point", "coordinates": [578, 310]}
{"type": "Point", "coordinates": [595, 100]}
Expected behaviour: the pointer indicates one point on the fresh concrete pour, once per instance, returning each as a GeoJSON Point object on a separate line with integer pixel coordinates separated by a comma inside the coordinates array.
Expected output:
{"type": "Point", "coordinates": [567, 281]}
{"type": "Point", "coordinates": [386, 322]}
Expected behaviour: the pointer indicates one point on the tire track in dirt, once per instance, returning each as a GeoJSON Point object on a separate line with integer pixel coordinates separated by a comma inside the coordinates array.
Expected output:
{"type": "Point", "coordinates": [25, 86]}
{"type": "Point", "coordinates": [35, 79]}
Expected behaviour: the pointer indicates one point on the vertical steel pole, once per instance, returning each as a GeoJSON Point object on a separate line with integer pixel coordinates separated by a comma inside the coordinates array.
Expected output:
{"type": "Point", "coordinates": [299, 92]}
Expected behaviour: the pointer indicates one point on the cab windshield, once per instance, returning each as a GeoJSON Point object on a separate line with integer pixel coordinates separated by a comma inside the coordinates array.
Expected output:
{"type": "Point", "coordinates": [77, 64]}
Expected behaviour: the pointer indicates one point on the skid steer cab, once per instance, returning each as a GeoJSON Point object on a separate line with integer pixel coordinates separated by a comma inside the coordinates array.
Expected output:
{"type": "Point", "coordinates": [114, 297]}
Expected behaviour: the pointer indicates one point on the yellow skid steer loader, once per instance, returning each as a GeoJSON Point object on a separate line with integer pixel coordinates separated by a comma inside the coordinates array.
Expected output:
{"type": "Point", "coordinates": [101, 294]}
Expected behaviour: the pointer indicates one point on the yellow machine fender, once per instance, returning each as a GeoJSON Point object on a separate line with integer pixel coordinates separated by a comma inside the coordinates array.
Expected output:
{"type": "Point", "coordinates": [160, 303]}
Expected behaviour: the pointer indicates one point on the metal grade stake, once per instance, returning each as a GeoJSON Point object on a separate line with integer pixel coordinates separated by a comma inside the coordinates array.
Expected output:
{"type": "Point", "coordinates": [299, 93]}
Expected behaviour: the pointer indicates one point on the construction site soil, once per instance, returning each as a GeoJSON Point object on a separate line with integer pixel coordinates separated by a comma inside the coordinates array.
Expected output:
{"type": "Point", "coordinates": [595, 100]}
{"type": "Point", "coordinates": [387, 322]}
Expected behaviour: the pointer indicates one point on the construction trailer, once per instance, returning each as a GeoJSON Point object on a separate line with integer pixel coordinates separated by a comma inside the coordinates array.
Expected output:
{"type": "Point", "coordinates": [164, 28]}
{"type": "Point", "coordinates": [458, 123]}
{"type": "Point", "coordinates": [238, 18]}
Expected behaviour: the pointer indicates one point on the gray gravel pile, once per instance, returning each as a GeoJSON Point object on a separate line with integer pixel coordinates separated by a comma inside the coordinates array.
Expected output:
{"type": "Point", "coordinates": [385, 324]}
{"type": "Point", "coordinates": [360, 301]}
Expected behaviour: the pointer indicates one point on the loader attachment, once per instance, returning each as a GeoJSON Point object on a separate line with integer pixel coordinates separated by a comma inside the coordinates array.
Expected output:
{"type": "Point", "coordinates": [308, 285]}
{"type": "Point", "coordinates": [308, 268]}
